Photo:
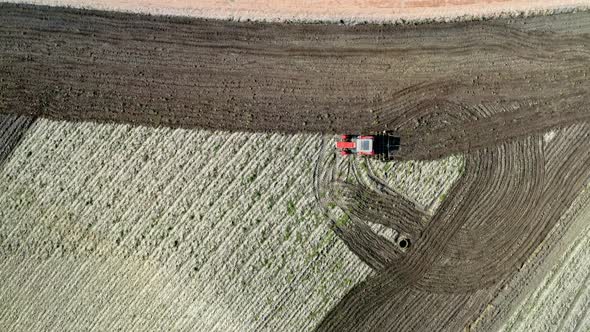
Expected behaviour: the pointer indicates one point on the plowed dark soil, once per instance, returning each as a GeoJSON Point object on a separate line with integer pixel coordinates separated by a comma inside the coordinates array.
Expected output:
{"type": "Point", "coordinates": [485, 89]}
{"type": "Point", "coordinates": [508, 199]}
{"type": "Point", "coordinates": [446, 88]}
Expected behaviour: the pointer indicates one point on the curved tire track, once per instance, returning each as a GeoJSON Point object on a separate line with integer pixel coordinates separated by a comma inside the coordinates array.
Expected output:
{"type": "Point", "coordinates": [507, 201]}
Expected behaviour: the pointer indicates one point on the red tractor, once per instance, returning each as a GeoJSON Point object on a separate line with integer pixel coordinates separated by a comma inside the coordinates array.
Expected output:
{"type": "Point", "coordinates": [383, 145]}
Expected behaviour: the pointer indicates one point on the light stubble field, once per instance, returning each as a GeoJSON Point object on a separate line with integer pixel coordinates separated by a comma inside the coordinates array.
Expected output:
{"type": "Point", "coordinates": [113, 226]}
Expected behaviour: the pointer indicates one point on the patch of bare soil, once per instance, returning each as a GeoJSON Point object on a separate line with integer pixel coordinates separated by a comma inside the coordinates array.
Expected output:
{"type": "Point", "coordinates": [446, 88]}
{"type": "Point", "coordinates": [507, 201]}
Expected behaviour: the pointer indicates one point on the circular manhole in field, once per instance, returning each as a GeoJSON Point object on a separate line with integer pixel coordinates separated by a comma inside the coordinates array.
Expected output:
{"type": "Point", "coordinates": [404, 243]}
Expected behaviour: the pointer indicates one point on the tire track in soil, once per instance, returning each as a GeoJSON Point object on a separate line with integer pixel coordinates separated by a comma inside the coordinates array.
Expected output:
{"type": "Point", "coordinates": [395, 212]}
{"type": "Point", "coordinates": [507, 201]}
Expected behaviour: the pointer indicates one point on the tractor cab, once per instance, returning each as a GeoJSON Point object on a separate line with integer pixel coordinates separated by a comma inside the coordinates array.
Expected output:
{"type": "Point", "coordinates": [364, 145]}
{"type": "Point", "coordinates": [383, 145]}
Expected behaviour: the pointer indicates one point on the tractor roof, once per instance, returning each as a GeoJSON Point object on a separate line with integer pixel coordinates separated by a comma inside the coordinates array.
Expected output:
{"type": "Point", "coordinates": [365, 145]}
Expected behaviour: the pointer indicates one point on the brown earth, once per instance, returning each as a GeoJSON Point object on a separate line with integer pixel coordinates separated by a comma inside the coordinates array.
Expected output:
{"type": "Point", "coordinates": [486, 89]}
{"type": "Point", "coordinates": [508, 199]}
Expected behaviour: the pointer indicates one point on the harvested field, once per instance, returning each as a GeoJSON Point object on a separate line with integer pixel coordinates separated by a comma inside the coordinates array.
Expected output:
{"type": "Point", "coordinates": [515, 298]}
{"type": "Point", "coordinates": [497, 215]}
{"type": "Point", "coordinates": [328, 10]}
{"type": "Point", "coordinates": [504, 101]}
{"type": "Point", "coordinates": [141, 228]}
{"type": "Point", "coordinates": [115, 227]}
{"type": "Point", "coordinates": [562, 300]}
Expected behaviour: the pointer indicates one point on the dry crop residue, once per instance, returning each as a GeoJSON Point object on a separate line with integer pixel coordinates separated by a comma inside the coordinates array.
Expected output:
{"type": "Point", "coordinates": [143, 228]}
{"type": "Point", "coordinates": [561, 302]}
{"type": "Point", "coordinates": [107, 227]}
{"type": "Point", "coordinates": [521, 303]}
{"type": "Point", "coordinates": [331, 10]}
